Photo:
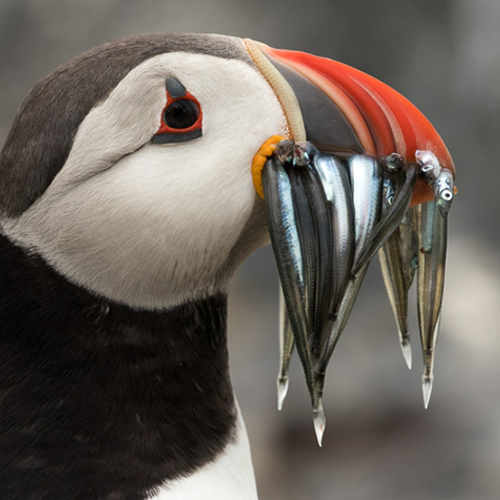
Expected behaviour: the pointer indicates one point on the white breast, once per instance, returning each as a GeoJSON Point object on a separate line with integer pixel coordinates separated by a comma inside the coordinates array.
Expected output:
{"type": "Point", "coordinates": [229, 477]}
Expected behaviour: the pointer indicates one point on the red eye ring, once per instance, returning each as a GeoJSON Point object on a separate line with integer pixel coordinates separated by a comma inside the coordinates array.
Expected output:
{"type": "Point", "coordinates": [196, 126]}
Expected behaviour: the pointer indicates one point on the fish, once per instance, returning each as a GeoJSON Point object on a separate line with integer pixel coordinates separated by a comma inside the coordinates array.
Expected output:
{"type": "Point", "coordinates": [336, 186]}
{"type": "Point", "coordinates": [432, 237]}
{"type": "Point", "coordinates": [441, 179]}
{"type": "Point", "coordinates": [344, 312]}
{"type": "Point", "coordinates": [286, 343]}
{"type": "Point", "coordinates": [295, 244]}
{"type": "Point", "coordinates": [391, 266]}
{"type": "Point", "coordinates": [398, 261]}
{"type": "Point", "coordinates": [392, 217]}
{"type": "Point", "coordinates": [282, 222]}
{"type": "Point", "coordinates": [313, 222]}
{"type": "Point", "coordinates": [366, 189]}
{"type": "Point", "coordinates": [305, 226]}
{"type": "Point", "coordinates": [307, 188]}
{"type": "Point", "coordinates": [429, 167]}
{"type": "Point", "coordinates": [326, 221]}
{"type": "Point", "coordinates": [443, 191]}
{"type": "Point", "coordinates": [395, 276]}
{"type": "Point", "coordinates": [408, 236]}
{"type": "Point", "coordinates": [366, 184]}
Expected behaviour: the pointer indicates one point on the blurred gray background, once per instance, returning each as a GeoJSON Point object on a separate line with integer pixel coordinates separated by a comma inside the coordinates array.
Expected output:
{"type": "Point", "coordinates": [444, 55]}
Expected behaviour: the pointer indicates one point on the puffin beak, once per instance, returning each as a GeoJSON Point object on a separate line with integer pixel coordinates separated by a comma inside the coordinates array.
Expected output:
{"type": "Point", "coordinates": [337, 189]}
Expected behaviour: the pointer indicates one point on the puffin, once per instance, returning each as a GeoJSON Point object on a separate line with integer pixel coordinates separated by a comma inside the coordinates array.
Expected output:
{"type": "Point", "coordinates": [131, 189]}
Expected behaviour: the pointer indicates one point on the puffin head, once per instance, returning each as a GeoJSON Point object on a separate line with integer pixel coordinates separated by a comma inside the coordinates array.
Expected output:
{"type": "Point", "coordinates": [129, 169]}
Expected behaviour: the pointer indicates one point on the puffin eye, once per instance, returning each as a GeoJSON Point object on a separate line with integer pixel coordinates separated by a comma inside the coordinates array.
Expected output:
{"type": "Point", "coordinates": [181, 114]}
{"type": "Point", "coordinates": [181, 118]}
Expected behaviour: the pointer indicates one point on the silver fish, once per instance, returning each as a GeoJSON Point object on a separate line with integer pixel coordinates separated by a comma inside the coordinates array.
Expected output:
{"type": "Point", "coordinates": [313, 229]}
{"type": "Point", "coordinates": [338, 193]}
{"type": "Point", "coordinates": [322, 231]}
{"type": "Point", "coordinates": [313, 223]}
{"type": "Point", "coordinates": [290, 229]}
{"type": "Point", "coordinates": [429, 167]}
{"type": "Point", "coordinates": [408, 234]}
{"type": "Point", "coordinates": [394, 162]}
{"type": "Point", "coordinates": [392, 217]}
{"type": "Point", "coordinates": [392, 272]}
{"type": "Point", "coordinates": [338, 326]}
{"type": "Point", "coordinates": [335, 254]}
{"type": "Point", "coordinates": [432, 232]}
{"type": "Point", "coordinates": [389, 188]}
{"type": "Point", "coordinates": [443, 191]}
{"type": "Point", "coordinates": [289, 258]}
{"type": "Point", "coordinates": [286, 349]}
{"type": "Point", "coordinates": [392, 266]}
{"type": "Point", "coordinates": [366, 182]}
{"type": "Point", "coordinates": [304, 220]}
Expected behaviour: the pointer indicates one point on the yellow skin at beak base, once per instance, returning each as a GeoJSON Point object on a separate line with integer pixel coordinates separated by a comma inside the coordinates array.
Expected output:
{"type": "Point", "coordinates": [259, 160]}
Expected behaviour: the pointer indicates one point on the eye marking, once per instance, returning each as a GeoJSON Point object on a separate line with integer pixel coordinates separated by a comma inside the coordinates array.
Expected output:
{"type": "Point", "coordinates": [181, 117]}
{"type": "Point", "coordinates": [175, 88]}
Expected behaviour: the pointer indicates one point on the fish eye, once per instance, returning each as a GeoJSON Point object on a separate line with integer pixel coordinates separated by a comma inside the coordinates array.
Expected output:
{"type": "Point", "coordinates": [446, 195]}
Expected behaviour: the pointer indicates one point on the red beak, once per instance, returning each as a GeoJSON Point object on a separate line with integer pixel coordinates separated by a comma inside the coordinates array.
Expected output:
{"type": "Point", "coordinates": [382, 120]}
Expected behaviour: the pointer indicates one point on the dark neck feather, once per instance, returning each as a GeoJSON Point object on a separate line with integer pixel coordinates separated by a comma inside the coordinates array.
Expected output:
{"type": "Point", "coordinates": [99, 401]}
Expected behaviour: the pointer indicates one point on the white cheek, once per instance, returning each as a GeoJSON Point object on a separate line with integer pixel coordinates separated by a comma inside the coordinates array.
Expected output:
{"type": "Point", "coordinates": [147, 238]}
{"type": "Point", "coordinates": [156, 228]}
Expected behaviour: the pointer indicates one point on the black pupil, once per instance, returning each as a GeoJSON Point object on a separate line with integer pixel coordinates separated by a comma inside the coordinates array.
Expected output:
{"type": "Point", "coordinates": [181, 114]}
